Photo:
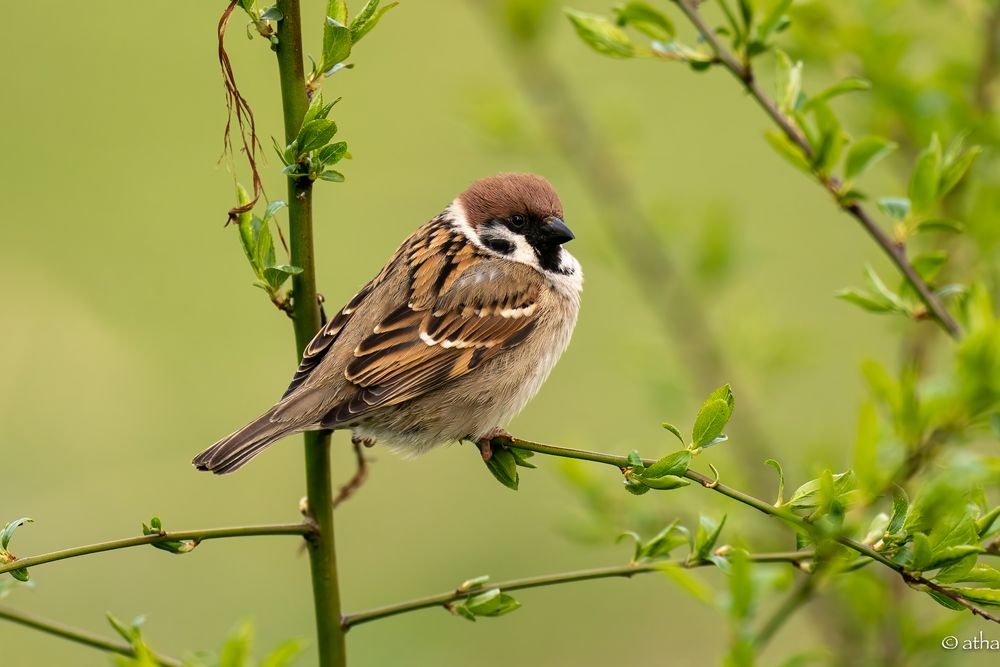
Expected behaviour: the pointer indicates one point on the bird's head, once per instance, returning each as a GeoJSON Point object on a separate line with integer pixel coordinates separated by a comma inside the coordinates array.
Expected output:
{"type": "Point", "coordinates": [518, 216]}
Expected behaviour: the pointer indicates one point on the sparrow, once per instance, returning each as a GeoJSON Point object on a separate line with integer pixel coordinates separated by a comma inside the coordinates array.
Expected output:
{"type": "Point", "coordinates": [448, 342]}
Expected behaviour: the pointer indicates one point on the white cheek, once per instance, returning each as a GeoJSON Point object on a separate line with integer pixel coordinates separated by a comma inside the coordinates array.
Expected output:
{"type": "Point", "coordinates": [523, 252]}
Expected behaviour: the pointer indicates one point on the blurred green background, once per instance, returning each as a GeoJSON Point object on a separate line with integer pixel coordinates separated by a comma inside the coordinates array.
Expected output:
{"type": "Point", "coordinates": [133, 337]}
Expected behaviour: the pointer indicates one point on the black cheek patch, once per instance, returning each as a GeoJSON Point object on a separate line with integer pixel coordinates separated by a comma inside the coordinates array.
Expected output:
{"type": "Point", "coordinates": [502, 246]}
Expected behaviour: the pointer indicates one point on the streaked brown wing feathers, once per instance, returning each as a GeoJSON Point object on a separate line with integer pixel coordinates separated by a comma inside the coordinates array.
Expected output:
{"type": "Point", "coordinates": [458, 316]}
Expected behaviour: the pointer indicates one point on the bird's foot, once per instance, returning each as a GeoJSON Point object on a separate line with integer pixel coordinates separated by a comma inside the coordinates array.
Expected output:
{"type": "Point", "coordinates": [486, 443]}
{"type": "Point", "coordinates": [367, 442]}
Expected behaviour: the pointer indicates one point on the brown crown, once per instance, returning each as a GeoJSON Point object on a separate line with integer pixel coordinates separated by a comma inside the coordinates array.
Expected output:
{"type": "Point", "coordinates": [503, 195]}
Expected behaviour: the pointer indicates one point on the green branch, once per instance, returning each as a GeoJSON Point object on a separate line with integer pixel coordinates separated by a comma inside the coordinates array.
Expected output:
{"type": "Point", "coordinates": [446, 598]}
{"type": "Point", "coordinates": [172, 536]}
{"type": "Point", "coordinates": [706, 482]}
{"type": "Point", "coordinates": [306, 321]}
{"type": "Point", "coordinates": [896, 251]}
{"type": "Point", "coordinates": [798, 597]}
{"type": "Point", "coordinates": [79, 636]}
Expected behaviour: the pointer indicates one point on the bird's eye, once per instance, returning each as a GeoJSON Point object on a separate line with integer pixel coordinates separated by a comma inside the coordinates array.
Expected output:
{"type": "Point", "coordinates": [518, 220]}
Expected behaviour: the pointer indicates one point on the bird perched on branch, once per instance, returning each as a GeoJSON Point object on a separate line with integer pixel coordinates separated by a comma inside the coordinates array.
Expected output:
{"type": "Point", "coordinates": [449, 341]}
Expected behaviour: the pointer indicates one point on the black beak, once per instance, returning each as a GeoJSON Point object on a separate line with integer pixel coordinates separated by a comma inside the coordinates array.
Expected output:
{"type": "Point", "coordinates": [556, 231]}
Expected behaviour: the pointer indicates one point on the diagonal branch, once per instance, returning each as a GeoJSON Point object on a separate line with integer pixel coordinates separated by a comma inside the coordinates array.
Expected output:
{"type": "Point", "coordinates": [302, 529]}
{"type": "Point", "coordinates": [79, 636]}
{"type": "Point", "coordinates": [713, 484]}
{"type": "Point", "coordinates": [895, 251]}
{"type": "Point", "coordinates": [445, 599]}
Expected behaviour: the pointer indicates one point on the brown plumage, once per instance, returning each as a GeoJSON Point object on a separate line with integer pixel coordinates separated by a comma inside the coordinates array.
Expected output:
{"type": "Point", "coordinates": [448, 341]}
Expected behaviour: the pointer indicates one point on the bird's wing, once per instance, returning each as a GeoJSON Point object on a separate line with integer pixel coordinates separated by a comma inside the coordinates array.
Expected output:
{"type": "Point", "coordinates": [324, 339]}
{"type": "Point", "coordinates": [463, 309]}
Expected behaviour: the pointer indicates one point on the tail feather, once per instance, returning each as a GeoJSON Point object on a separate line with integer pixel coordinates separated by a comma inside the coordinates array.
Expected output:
{"type": "Point", "coordinates": [236, 449]}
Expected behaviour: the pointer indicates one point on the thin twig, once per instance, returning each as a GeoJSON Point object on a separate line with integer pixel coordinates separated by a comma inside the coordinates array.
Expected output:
{"type": "Point", "coordinates": [713, 484]}
{"type": "Point", "coordinates": [302, 529]}
{"type": "Point", "coordinates": [236, 103]}
{"type": "Point", "coordinates": [444, 599]}
{"type": "Point", "coordinates": [359, 477]}
{"type": "Point", "coordinates": [78, 635]}
{"type": "Point", "coordinates": [895, 251]}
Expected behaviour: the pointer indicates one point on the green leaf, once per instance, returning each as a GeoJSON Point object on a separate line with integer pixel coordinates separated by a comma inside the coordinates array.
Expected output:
{"type": "Point", "coordinates": [746, 12]}
{"type": "Point", "coordinates": [236, 650]}
{"type": "Point", "coordinates": [864, 153]}
{"type": "Point", "coordinates": [503, 466]}
{"type": "Point", "coordinates": [840, 88]}
{"type": "Point", "coordinates": [950, 555]}
{"type": "Point", "coordinates": [21, 574]}
{"type": "Point", "coordinates": [316, 109]}
{"type": "Point", "coordinates": [284, 655]}
{"type": "Point", "coordinates": [332, 176]}
{"type": "Point", "coordinates": [634, 484]}
{"type": "Point", "coordinates": [985, 522]}
{"type": "Point", "coordinates": [645, 19]}
{"type": "Point", "coordinates": [706, 537]}
{"type": "Point", "coordinates": [263, 256]}
{"type": "Point", "coordinates": [929, 264]}
{"type": "Point", "coordinates": [155, 527]}
{"type": "Point", "coordinates": [663, 542]}
{"type": "Point", "coordinates": [945, 601]}
{"type": "Point", "coordinates": [773, 19]}
{"type": "Point", "coordinates": [980, 573]}
{"type": "Point", "coordinates": [940, 225]}
{"type": "Point", "coordinates": [8, 530]}
{"type": "Point", "coordinates": [954, 170]}
{"type": "Point", "coordinates": [275, 276]}
{"type": "Point", "coordinates": [492, 603]}
{"type": "Point", "coordinates": [897, 208]}
{"type": "Point", "coordinates": [475, 582]}
{"type": "Point", "coordinates": [273, 208]}
{"type": "Point", "coordinates": [673, 429]}
{"type": "Point", "coordinates": [636, 543]}
{"type": "Point", "coordinates": [315, 134]}
{"type": "Point", "coordinates": [272, 13]}
{"type": "Point", "coordinates": [786, 149]}
{"type": "Point", "coordinates": [688, 581]}
{"type": "Point", "coordinates": [337, 10]}
{"type": "Point", "coordinates": [879, 288]}
{"type": "Point", "coordinates": [741, 586]}
{"type": "Point", "coordinates": [368, 18]}
{"type": "Point", "coordinates": [712, 417]}
{"type": "Point", "coordinates": [675, 463]}
{"type": "Point", "coordinates": [921, 557]}
{"type": "Point", "coordinates": [831, 137]}
{"type": "Point", "coordinates": [336, 44]}
{"type": "Point", "coordinates": [332, 153]}
{"type": "Point", "coordinates": [665, 482]}
{"type": "Point", "coordinates": [521, 457]}
{"type": "Point", "coordinates": [601, 35]}
{"type": "Point", "coordinates": [926, 175]}
{"type": "Point", "coordinates": [806, 496]}
{"type": "Point", "coordinates": [869, 302]}
{"type": "Point", "coordinates": [781, 480]}
{"type": "Point", "coordinates": [988, 597]}
{"type": "Point", "coordinates": [788, 82]}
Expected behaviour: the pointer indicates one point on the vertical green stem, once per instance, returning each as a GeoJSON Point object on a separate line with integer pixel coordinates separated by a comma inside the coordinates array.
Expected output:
{"type": "Point", "coordinates": [319, 485]}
